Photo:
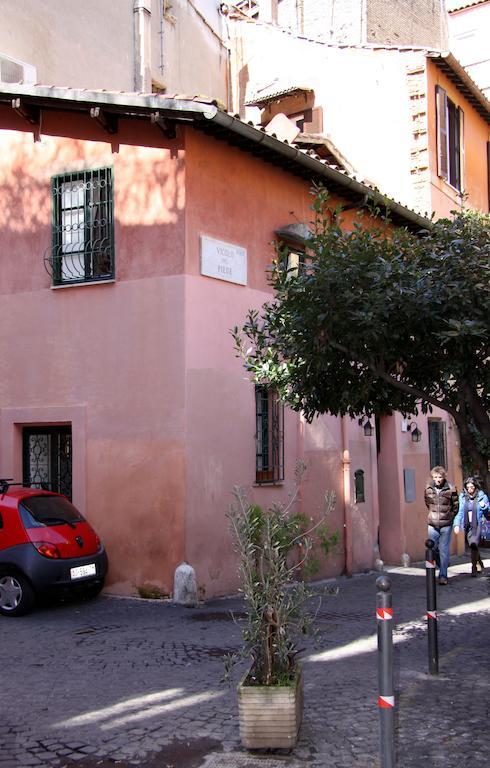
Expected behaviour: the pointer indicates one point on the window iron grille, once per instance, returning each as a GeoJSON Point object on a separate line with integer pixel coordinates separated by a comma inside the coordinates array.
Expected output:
{"type": "Point", "coordinates": [269, 442]}
{"type": "Point", "coordinates": [83, 227]}
{"type": "Point", "coordinates": [437, 443]}
{"type": "Point", "coordinates": [359, 486]}
{"type": "Point", "coordinates": [47, 459]}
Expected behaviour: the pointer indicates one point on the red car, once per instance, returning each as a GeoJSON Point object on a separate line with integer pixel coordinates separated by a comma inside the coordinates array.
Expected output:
{"type": "Point", "coordinates": [45, 545]}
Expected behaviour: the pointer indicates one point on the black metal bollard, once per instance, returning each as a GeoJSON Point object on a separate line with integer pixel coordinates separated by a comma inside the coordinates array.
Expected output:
{"type": "Point", "coordinates": [430, 582]}
{"type": "Point", "coordinates": [386, 697]}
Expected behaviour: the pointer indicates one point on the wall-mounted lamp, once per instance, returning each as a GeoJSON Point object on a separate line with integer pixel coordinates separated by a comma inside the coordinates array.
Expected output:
{"type": "Point", "coordinates": [416, 433]}
{"type": "Point", "coordinates": [368, 428]}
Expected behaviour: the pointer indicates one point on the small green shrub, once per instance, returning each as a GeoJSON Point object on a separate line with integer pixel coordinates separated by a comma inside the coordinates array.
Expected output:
{"type": "Point", "coordinates": [274, 547]}
{"type": "Point", "coordinates": [150, 592]}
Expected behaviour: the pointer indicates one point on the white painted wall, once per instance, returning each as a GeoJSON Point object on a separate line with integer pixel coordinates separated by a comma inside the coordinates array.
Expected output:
{"type": "Point", "coordinates": [81, 45]}
{"type": "Point", "coordinates": [469, 31]}
{"type": "Point", "coordinates": [363, 93]}
{"type": "Point", "coordinates": [90, 44]}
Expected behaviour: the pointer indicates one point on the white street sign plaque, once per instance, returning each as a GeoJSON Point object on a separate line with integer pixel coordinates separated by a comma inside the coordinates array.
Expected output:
{"type": "Point", "coordinates": [223, 261]}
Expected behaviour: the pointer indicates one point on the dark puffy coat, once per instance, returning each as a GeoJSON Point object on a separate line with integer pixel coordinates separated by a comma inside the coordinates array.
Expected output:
{"type": "Point", "coordinates": [442, 505]}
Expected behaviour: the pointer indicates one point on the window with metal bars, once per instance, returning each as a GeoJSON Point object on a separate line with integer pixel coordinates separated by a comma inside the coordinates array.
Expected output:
{"type": "Point", "coordinates": [47, 458]}
{"type": "Point", "coordinates": [359, 486]}
{"type": "Point", "coordinates": [83, 227]}
{"type": "Point", "coordinates": [437, 443]}
{"type": "Point", "coordinates": [269, 438]}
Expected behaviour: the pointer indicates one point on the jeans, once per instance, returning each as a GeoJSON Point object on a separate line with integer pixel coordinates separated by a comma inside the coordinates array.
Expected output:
{"type": "Point", "coordinates": [442, 542]}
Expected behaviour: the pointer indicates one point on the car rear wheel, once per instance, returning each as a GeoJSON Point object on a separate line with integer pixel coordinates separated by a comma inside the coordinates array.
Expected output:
{"type": "Point", "coordinates": [16, 595]}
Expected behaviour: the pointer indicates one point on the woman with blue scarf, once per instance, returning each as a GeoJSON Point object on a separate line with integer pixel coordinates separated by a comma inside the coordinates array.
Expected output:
{"type": "Point", "coordinates": [473, 504]}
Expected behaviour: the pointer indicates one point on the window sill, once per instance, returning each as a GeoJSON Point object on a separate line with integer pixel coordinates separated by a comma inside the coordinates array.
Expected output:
{"type": "Point", "coordinates": [454, 190]}
{"type": "Point", "coordinates": [84, 284]}
{"type": "Point", "coordinates": [268, 484]}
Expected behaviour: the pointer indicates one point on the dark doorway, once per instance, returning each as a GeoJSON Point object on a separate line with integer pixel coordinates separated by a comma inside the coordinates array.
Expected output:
{"type": "Point", "coordinates": [47, 458]}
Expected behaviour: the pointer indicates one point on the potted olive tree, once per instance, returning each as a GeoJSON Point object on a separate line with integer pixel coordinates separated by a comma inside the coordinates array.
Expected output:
{"type": "Point", "coordinates": [274, 546]}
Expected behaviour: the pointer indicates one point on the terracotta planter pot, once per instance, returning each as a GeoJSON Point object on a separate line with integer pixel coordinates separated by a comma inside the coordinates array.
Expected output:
{"type": "Point", "coordinates": [270, 715]}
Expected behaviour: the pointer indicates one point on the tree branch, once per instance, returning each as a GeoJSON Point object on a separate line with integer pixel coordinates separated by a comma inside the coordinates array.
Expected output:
{"type": "Point", "coordinates": [401, 385]}
{"type": "Point", "coordinates": [478, 411]}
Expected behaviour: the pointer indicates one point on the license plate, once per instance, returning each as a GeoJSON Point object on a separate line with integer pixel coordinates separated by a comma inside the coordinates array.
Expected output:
{"type": "Point", "coordinates": [83, 570]}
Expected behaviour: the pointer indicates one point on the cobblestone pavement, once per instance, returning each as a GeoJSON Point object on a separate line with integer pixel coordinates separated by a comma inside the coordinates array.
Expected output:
{"type": "Point", "coordinates": [121, 682]}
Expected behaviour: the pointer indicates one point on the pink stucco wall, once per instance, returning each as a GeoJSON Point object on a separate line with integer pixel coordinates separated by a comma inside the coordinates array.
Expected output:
{"type": "Point", "coordinates": [220, 399]}
{"type": "Point", "coordinates": [403, 525]}
{"type": "Point", "coordinates": [143, 368]}
{"type": "Point", "coordinates": [112, 352]}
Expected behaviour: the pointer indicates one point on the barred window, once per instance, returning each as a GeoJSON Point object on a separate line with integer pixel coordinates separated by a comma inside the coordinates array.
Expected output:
{"type": "Point", "coordinates": [359, 485]}
{"type": "Point", "coordinates": [437, 443]}
{"type": "Point", "coordinates": [83, 227]}
{"type": "Point", "coordinates": [269, 444]}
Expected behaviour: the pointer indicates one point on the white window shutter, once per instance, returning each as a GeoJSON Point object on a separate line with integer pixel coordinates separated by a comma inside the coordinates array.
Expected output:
{"type": "Point", "coordinates": [461, 149]}
{"type": "Point", "coordinates": [442, 132]}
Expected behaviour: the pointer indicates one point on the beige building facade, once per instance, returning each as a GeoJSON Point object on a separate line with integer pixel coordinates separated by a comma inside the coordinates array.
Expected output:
{"type": "Point", "coordinates": [128, 45]}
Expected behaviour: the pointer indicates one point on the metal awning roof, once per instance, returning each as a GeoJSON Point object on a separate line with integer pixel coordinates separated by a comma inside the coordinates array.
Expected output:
{"type": "Point", "coordinates": [204, 115]}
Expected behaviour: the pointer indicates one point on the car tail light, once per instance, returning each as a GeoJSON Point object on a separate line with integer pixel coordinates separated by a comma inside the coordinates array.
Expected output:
{"type": "Point", "coordinates": [97, 540]}
{"type": "Point", "coordinates": [47, 550]}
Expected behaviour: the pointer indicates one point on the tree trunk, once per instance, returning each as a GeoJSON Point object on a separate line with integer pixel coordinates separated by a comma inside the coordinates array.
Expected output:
{"type": "Point", "coordinates": [478, 460]}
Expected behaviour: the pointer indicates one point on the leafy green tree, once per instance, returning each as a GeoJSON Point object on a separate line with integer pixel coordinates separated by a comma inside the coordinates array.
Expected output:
{"type": "Point", "coordinates": [380, 319]}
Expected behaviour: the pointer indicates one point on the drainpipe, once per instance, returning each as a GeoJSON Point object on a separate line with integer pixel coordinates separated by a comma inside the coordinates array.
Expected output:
{"type": "Point", "coordinates": [142, 46]}
{"type": "Point", "coordinates": [268, 11]}
{"type": "Point", "coordinates": [347, 497]}
{"type": "Point", "coordinates": [373, 453]}
{"type": "Point", "coordinates": [162, 30]}
{"type": "Point", "coordinates": [300, 454]}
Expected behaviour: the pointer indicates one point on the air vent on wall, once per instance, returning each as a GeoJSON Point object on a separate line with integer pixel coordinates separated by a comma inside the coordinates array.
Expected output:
{"type": "Point", "coordinates": [15, 71]}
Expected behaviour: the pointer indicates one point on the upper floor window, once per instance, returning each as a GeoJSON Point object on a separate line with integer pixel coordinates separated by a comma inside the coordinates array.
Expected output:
{"type": "Point", "coordinates": [269, 436]}
{"type": "Point", "coordinates": [450, 139]}
{"type": "Point", "coordinates": [83, 227]}
{"type": "Point", "coordinates": [292, 247]}
{"type": "Point", "coordinates": [293, 262]}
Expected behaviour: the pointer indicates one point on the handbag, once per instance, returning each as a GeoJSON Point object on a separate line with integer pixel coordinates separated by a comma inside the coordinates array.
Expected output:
{"type": "Point", "coordinates": [485, 529]}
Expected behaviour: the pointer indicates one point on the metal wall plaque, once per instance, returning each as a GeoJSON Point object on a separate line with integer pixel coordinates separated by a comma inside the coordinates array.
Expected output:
{"type": "Point", "coordinates": [409, 484]}
{"type": "Point", "coordinates": [223, 261]}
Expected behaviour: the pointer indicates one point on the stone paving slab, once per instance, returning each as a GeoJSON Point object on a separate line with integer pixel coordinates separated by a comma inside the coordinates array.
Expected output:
{"type": "Point", "coordinates": [237, 760]}
{"type": "Point", "coordinates": [122, 683]}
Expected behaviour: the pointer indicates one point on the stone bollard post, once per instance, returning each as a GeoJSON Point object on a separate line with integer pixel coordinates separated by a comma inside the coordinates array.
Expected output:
{"type": "Point", "coordinates": [185, 585]}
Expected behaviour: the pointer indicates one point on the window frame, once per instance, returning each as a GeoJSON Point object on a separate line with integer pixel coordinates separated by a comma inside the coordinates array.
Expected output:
{"type": "Point", "coordinates": [269, 436]}
{"type": "Point", "coordinates": [93, 260]}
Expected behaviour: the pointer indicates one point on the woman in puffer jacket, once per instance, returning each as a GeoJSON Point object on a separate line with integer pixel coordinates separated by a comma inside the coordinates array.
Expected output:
{"type": "Point", "coordinates": [473, 504]}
